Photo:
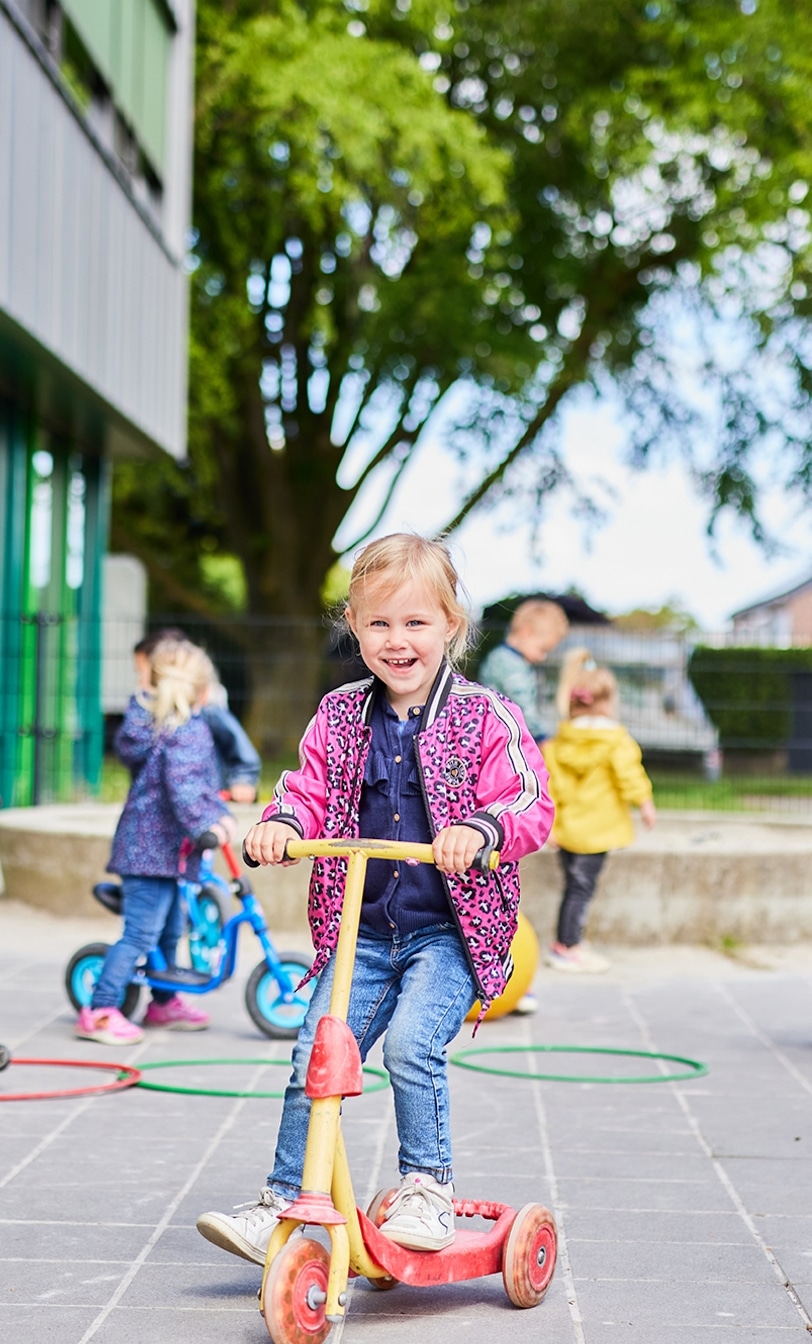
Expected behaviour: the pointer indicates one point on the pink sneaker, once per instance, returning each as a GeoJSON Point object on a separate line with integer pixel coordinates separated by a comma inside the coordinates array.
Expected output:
{"type": "Point", "coordinates": [107, 1026]}
{"type": "Point", "coordinates": [177, 1015]}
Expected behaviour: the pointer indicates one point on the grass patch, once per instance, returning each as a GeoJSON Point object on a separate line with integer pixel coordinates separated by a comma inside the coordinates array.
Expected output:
{"type": "Point", "coordinates": [734, 793]}
{"type": "Point", "coordinates": [115, 780]}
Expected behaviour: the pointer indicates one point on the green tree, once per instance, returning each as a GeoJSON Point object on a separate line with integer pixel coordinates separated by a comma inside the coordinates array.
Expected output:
{"type": "Point", "coordinates": [394, 198]}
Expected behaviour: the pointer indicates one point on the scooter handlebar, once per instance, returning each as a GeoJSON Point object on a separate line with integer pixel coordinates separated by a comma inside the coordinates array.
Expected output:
{"type": "Point", "coordinates": [486, 860]}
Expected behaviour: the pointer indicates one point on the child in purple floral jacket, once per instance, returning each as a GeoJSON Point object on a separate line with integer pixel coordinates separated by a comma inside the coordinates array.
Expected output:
{"type": "Point", "coordinates": [413, 752]}
{"type": "Point", "coordinates": [174, 795]}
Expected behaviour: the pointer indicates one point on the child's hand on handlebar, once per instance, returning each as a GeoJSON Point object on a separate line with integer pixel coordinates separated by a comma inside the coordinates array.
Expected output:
{"type": "Point", "coordinates": [265, 843]}
{"type": "Point", "coordinates": [456, 847]}
{"type": "Point", "coordinates": [224, 829]}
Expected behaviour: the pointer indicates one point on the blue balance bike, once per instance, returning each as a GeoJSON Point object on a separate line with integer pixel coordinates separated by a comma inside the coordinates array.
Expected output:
{"type": "Point", "coordinates": [272, 998]}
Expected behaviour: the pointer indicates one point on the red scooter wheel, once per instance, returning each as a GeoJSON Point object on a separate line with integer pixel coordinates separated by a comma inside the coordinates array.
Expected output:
{"type": "Point", "coordinates": [296, 1292]}
{"type": "Point", "coordinates": [530, 1254]}
{"type": "Point", "coordinates": [375, 1214]}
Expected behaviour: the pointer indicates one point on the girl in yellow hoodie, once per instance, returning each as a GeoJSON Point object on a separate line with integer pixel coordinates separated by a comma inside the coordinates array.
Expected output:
{"type": "Point", "coordinates": [596, 777]}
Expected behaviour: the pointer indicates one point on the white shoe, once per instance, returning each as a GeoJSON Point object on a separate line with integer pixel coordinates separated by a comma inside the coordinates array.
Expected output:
{"type": "Point", "coordinates": [421, 1216]}
{"type": "Point", "coordinates": [577, 960]}
{"type": "Point", "coordinates": [245, 1234]}
{"type": "Point", "coordinates": [527, 1004]}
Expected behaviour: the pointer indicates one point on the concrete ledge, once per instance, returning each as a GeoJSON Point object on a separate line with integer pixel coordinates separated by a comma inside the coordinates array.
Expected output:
{"type": "Point", "coordinates": [697, 878]}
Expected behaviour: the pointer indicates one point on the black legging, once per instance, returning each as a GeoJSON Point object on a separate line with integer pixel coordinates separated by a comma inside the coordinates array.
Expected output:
{"type": "Point", "coordinates": [580, 876]}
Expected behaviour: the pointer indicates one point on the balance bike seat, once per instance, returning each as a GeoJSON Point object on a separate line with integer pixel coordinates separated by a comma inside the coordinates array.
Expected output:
{"type": "Point", "coordinates": [108, 894]}
{"type": "Point", "coordinates": [179, 977]}
{"type": "Point", "coordinates": [470, 1256]}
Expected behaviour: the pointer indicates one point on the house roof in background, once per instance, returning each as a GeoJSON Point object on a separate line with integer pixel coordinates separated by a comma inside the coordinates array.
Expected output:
{"type": "Point", "coordinates": [773, 598]}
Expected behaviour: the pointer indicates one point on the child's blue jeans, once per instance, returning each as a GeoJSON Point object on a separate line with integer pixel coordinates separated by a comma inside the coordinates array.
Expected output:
{"type": "Point", "coordinates": [153, 917]}
{"type": "Point", "coordinates": [418, 989]}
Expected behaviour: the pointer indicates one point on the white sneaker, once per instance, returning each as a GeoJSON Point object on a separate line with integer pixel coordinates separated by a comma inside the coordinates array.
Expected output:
{"type": "Point", "coordinates": [421, 1216]}
{"type": "Point", "coordinates": [245, 1234]}
{"type": "Point", "coordinates": [577, 960]}
{"type": "Point", "coordinates": [527, 1004]}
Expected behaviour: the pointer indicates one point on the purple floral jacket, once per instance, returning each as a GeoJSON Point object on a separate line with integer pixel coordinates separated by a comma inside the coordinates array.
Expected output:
{"type": "Point", "coordinates": [173, 795]}
{"type": "Point", "coordinates": [477, 764]}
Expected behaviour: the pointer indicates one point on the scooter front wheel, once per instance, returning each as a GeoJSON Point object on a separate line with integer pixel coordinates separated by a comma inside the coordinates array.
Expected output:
{"type": "Point", "coordinates": [529, 1256]}
{"type": "Point", "coordinates": [266, 1006]}
{"type": "Point", "coordinates": [82, 974]}
{"type": "Point", "coordinates": [296, 1293]}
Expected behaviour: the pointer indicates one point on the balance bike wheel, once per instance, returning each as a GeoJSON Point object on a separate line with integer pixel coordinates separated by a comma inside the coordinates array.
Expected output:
{"type": "Point", "coordinates": [205, 937]}
{"type": "Point", "coordinates": [82, 973]}
{"type": "Point", "coordinates": [529, 1256]}
{"type": "Point", "coordinates": [375, 1214]}
{"type": "Point", "coordinates": [265, 1005]}
{"type": "Point", "coordinates": [295, 1293]}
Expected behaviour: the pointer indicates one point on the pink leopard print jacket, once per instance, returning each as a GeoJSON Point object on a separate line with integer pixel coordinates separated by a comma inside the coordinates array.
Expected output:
{"type": "Point", "coordinates": [478, 764]}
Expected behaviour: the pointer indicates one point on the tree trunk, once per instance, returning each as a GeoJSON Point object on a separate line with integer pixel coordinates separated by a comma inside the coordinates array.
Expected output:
{"type": "Point", "coordinates": [286, 666]}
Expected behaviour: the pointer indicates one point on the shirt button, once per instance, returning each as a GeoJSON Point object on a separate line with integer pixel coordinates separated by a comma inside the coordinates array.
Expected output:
{"type": "Point", "coordinates": [417, 709]}
{"type": "Point", "coordinates": [398, 760]}
{"type": "Point", "coordinates": [396, 873]}
{"type": "Point", "coordinates": [397, 816]}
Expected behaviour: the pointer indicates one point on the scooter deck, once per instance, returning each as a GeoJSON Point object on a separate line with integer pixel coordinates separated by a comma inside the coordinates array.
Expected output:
{"type": "Point", "coordinates": [470, 1256]}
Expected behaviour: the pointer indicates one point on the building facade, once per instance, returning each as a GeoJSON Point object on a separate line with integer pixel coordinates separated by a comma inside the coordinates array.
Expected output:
{"type": "Point", "coordinates": [781, 620]}
{"type": "Point", "coordinates": [95, 173]}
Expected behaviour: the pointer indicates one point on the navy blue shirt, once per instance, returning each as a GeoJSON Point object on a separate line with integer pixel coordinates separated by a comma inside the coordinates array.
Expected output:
{"type": "Point", "coordinates": [398, 897]}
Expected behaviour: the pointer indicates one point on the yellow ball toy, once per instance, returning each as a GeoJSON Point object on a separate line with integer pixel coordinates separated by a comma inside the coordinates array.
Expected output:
{"type": "Point", "coordinates": [525, 950]}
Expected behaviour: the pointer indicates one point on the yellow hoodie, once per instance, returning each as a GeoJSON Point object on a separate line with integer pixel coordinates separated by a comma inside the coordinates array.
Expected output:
{"type": "Point", "coordinates": [596, 776]}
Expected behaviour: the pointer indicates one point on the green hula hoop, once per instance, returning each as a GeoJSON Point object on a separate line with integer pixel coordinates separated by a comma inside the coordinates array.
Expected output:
{"type": "Point", "coordinates": [694, 1067]}
{"type": "Point", "coordinates": [380, 1076]}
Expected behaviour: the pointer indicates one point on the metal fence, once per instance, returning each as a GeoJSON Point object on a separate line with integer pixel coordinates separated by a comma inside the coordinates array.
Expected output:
{"type": "Point", "coordinates": [67, 708]}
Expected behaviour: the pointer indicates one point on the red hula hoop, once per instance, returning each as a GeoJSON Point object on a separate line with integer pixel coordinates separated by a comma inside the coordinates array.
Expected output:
{"type": "Point", "coordinates": [127, 1076]}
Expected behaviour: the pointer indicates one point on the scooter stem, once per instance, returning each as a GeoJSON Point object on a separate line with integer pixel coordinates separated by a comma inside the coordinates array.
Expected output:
{"type": "Point", "coordinates": [348, 935]}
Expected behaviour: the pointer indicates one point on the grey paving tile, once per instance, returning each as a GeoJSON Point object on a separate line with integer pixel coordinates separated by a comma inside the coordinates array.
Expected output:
{"type": "Point", "coordinates": [649, 1196]}
{"type": "Point", "coordinates": [656, 1304]}
{"type": "Point", "coordinates": [28, 1324]}
{"type": "Point", "coordinates": [654, 1225]}
{"type": "Point", "coordinates": [694, 1262]}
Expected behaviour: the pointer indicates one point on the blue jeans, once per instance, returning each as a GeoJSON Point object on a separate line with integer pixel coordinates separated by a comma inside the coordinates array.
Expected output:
{"type": "Point", "coordinates": [417, 988]}
{"type": "Point", "coordinates": [153, 917]}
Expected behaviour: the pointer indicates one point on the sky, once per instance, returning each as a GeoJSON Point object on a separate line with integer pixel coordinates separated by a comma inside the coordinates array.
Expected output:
{"type": "Point", "coordinates": [652, 548]}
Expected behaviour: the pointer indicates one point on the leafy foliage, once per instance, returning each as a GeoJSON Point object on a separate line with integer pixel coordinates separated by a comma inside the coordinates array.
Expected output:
{"type": "Point", "coordinates": [394, 198]}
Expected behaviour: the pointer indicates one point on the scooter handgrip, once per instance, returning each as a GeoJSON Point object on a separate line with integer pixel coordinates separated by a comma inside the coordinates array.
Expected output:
{"type": "Point", "coordinates": [247, 860]}
{"type": "Point", "coordinates": [486, 858]}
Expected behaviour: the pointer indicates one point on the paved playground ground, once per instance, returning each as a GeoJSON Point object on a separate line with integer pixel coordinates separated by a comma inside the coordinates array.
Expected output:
{"type": "Point", "coordinates": [684, 1209]}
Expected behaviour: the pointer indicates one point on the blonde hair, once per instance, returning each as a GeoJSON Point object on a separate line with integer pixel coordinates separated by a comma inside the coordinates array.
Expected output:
{"type": "Point", "coordinates": [584, 688]}
{"type": "Point", "coordinates": [404, 557]}
{"type": "Point", "coordinates": [539, 611]}
{"type": "Point", "coordinates": [181, 673]}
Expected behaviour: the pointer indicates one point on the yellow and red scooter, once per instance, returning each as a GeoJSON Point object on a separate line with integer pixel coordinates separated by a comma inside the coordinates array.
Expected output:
{"type": "Point", "coordinates": [304, 1286]}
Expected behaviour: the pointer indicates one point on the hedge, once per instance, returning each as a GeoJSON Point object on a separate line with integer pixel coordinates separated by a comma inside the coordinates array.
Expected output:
{"type": "Point", "coordinates": [747, 693]}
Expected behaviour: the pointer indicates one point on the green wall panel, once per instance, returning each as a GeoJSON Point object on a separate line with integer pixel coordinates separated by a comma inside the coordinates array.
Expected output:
{"type": "Point", "coordinates": [130, 43]}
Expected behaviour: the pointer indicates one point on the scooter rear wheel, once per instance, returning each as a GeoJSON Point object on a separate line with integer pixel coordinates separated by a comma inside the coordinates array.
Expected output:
{"type": "Point", "coordinates": [295, 1293]}
{"type": "Point", "coordinates": [375, 1214]}
{"type": "Point", "coordinates": [82, 974]}
{"type": "Point", "coordinates": [529, 1256]}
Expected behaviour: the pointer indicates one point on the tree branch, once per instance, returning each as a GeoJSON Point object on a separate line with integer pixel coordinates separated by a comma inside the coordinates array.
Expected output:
{"type": "Point", "coordinates": [393, 485]}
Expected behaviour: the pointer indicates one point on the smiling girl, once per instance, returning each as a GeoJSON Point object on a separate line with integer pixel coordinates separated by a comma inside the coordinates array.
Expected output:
{"type": "Point", "coordinates": [413, 752]}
